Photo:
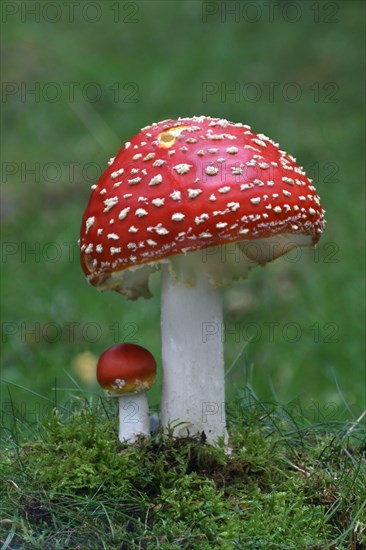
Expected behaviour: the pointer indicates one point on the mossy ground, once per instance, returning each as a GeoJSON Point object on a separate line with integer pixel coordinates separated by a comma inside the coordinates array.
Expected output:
{"type": "Point", "coordinates": [283, 485]}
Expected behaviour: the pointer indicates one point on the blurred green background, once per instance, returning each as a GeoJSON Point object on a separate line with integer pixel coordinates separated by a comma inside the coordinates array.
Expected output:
{"type": "Point", "coordinates": [79, 82]}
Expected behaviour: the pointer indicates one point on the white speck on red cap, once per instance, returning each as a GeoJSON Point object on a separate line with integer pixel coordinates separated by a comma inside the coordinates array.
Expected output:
{"type": "Point", "coordinates": [158, 202]}
{"type": "Point", "coordinates": [182, 168]}
{"type": "Point", "coordinates": [233, 206]}
{"type": "Point", "coordinates": [141, 212]}
{"type": "Point", "coordinates": [109, 203]}
{"type": "Point", "coordinates": [156, 180]}
{"type": "Point", "coordinates": [259, 142]}
{"type": "Point", "coordinates": [124, 213]}
{"type": "Point", "coordinates": [211, 170]}
{"type": "Point", "coordinates": [176, 195]}
{"type": "Point", "coordinates": [89, 222]}
{"type": "Point", "coordinates": [115, 250]}
{"type": "Point", "coordinates": [117, 173]}
{"type": "Point", "coordinates": [161, 230]}
{"type": "Point", "coordinates": [193, 193]}
{"type": "Point", "coordinates": [178, 216]}
{"type": "Point", "coordinates": [159, 162]}
{"type": "Point", "coordinates": [134, 181]}
{"type": "Point", "coordinates": [201, 218]}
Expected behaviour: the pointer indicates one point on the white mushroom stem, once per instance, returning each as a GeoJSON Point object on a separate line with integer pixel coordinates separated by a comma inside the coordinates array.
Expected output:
{"type": "Point", "coordinates": [134, 417]}
{"type": "Point", "coordinates": [193, 388]}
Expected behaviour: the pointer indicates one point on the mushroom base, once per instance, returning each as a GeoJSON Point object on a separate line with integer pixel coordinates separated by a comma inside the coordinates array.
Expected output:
{"type": "Point", "coordinates": [193, 387]}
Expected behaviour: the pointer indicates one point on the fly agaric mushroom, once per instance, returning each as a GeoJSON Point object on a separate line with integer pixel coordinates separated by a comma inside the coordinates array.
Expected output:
{"type": "Point", "coordinates": [127, 371]}
{"type": "Point", "coordinates": [203, 200]}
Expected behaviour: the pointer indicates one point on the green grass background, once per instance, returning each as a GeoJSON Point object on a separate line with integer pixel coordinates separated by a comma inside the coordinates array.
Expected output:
{"type": "Point", "coordinates": [161, 54]}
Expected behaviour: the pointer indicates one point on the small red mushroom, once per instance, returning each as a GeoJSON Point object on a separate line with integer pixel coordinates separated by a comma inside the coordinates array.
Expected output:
{"type": "Point", "coordinates": [127, 371]}
{"type": "Point", "coordinates": [204, 200]}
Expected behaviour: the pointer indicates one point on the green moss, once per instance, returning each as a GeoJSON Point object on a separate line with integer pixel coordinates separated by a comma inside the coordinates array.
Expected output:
{"type": "Point", "coordinates": [75, 485]}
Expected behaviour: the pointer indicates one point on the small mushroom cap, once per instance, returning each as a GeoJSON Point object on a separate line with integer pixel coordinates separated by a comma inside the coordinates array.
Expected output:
{"type": "Point", "coordinates": [126, 368]}
{"type": "Point", "coordinates": [182, 186]}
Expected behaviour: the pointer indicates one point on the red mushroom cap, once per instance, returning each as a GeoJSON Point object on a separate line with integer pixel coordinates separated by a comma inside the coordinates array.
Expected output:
{"type": "Point", "coordinates": [126, 368]}
{"type": "Point", "coordinates": [188, 184]}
